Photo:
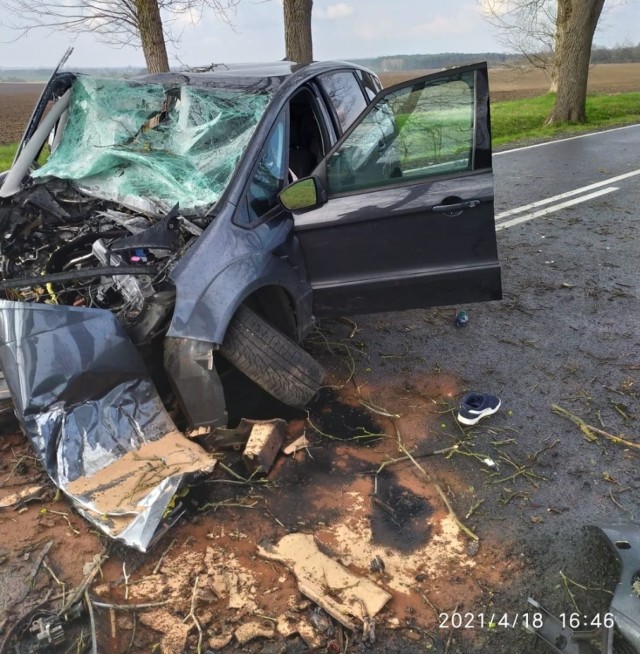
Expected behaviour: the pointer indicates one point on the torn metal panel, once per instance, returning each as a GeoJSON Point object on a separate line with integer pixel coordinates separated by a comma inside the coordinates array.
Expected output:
{"type": "Point", "coordinates": [85, 400]}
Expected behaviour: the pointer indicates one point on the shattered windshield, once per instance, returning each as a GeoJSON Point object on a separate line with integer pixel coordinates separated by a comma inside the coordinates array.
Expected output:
{"type": "Point", "coordinates": [166, 144]}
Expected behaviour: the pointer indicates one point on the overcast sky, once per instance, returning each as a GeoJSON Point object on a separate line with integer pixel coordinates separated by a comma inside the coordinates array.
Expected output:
{"type": "Point", "coordinates": [341, 30]}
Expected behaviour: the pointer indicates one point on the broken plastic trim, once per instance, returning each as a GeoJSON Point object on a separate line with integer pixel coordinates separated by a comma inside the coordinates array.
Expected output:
{"type": "Point", "coordinates": [624, 540]}
{"type": "Point", "coordinates": [129, 141]}
{"type": "Point", "coordinates": [85, 401]}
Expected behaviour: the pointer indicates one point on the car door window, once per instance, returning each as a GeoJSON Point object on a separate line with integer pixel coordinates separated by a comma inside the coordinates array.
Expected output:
{"type": "Point", "coordinates": [370, 83]}
{"type": "Point", "coordinates": [269, 177]}
{"type": "Point", "coordinates": [345, 95]}
{"type": "Point", "coordinates": [413, 133]}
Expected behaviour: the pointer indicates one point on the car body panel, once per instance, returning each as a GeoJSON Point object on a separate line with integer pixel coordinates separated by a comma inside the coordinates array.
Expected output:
{"type": "Point", "coordinates": [392, 246]}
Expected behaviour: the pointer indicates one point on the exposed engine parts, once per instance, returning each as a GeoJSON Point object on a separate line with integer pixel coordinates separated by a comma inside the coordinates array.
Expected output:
{"type": "Point", "coordinates": [62, 247]}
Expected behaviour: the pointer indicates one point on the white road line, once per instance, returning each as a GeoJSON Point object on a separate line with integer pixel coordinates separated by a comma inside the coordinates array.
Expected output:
{"type": "Point", "coordinates": [571, 138]}
{"type": "Point", "coordinates": [555, 207]}
{"type": "Point", "coordinates": [568, 194]}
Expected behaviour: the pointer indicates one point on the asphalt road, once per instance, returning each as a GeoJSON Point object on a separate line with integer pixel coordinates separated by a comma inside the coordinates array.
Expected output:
{"type": "Point", "coordinates": [566, 333]}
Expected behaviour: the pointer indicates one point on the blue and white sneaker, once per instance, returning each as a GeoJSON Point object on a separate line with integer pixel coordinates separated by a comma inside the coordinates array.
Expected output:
{"type": "Point", "coordinates": [475, 406]}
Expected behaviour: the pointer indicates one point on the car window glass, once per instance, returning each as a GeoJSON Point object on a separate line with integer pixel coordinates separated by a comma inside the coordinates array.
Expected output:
{"type": "Point", "coordinates": [370, 83]}
{"type": "Point", "coordinates": [268, 180]}
{"type": "Point", "coordinates": [411, 134]}
{"type": "Point", "coordinates": [345, 95]}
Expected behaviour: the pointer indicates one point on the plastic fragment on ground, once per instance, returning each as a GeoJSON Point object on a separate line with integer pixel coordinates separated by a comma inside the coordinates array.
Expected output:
{"type": "Point", "coordinates": [297, 445]}
{"type": "Point", "coordinates": [25, 495]}
{"type": "Point", "coordinates": [346, 597]}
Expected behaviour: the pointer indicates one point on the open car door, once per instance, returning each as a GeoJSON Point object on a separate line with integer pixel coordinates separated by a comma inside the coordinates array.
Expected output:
{"type": "Point", "coordinates": [407, 216]}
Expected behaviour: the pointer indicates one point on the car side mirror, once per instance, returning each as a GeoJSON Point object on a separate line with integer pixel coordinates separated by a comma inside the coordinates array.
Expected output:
{"type": "Point", "coordinates": [302, 194]}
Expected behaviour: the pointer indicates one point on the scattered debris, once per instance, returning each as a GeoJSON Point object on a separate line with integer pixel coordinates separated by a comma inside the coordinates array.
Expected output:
{"type": "Point", "coordinates": [264, 443]}
{"type": "Point", "coordinates": [250, 630]}
{"type": "Point", "coordinates": [590, 432]}
{"type": "Point", "coordinates": [218, 642]}
{"type": "Point", "coordinates": [343, 595]}
{"type": "Point", "coordinates": [377, 564]}
{"type": "Point", "coordinates": [300, 443]}
{"type": "Point", "coordinates": [22, 497]}
{"type": "Point", "coordinates": [462, 318]}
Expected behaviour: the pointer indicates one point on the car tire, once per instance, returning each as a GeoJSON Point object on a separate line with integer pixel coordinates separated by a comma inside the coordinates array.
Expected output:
{"type": "Point", "coordinates": [270, 359]}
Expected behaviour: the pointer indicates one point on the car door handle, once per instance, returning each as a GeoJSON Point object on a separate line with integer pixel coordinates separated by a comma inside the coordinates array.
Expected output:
{"type": "Point", "coordinates": [459, 206]}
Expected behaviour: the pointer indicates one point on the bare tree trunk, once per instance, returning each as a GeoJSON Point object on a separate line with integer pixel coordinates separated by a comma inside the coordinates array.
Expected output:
{"type": "Point", "coordinates": [297, 30]}
{"type": "Point", "coordinates": [575, 24]}
{"type": "Point", "coordinates": [152, 36]}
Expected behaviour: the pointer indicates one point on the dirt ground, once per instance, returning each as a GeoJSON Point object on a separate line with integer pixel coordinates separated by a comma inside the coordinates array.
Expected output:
{"type": "Point", "coordinates": [17, 100]}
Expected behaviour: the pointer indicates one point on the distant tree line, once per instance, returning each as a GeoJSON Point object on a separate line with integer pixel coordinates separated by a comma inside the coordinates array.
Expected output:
{"type": "Point", "coordinates": [621, 54]}
{"type": "Point", "coordinates": [599, 55]}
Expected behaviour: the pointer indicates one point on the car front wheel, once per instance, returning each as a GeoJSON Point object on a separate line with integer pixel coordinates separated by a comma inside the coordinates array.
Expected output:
{"type": "Point", "coordinates": [270, 359]}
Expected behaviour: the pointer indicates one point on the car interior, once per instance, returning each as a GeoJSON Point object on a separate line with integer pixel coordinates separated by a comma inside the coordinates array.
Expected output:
{"type": "Point", "coordinates": [306, 145]}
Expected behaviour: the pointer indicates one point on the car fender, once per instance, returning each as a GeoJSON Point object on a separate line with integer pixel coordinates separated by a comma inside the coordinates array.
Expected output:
{"type": "Point", "coordinates": [229, 264]}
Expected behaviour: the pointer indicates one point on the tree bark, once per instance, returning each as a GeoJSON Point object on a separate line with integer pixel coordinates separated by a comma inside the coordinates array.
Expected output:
{"type": "Point", "coordinates": [297, 30]}
{"type": "Point", "coordinates": [575, 24]}
{"type": "Point", "coordinates": [152, 36]}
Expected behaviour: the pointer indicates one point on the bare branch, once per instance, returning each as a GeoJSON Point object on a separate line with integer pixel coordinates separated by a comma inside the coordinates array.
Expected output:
{"type": "Point", "coordinates": [116, 22]}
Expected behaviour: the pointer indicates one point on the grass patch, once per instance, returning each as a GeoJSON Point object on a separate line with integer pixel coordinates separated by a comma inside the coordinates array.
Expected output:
{"type": "Point", "coordinates": [519, 120]}
{"type": "Point", "coordinates": [6, 155]}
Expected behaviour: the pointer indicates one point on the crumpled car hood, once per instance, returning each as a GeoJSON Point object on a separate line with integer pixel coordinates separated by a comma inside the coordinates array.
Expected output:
{"type": "Point", "coordinates": [93, 416]}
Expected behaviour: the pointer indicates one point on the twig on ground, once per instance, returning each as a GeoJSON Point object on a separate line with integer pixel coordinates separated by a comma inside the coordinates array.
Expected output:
{"type": "Point", "coordinates": [126, 580]}
{"type": "Point", "coordinates": [448, 646]}
{"type": "Point", "coordinates": [192, 614]}
{"type": "Point", "coordinates": [133, 633]}
{"type": "Point", "coordinates": [92, 622]}
{"type": "Point", "coordinates": [60, 583]}
{"type": "Point", "coordinates": [162, 557]}
{"type": "Point", "coordinates": [130, 607]}
{"type": "Point", "coordinates": [79, 592]}
{"type": "Point", "coordinates": [565, 583]}
{"type": "Point", "coordinates": [39, 560]}
{"type": "Point", "coordinates": [427, 601]}
{"type": "Point", "coordinates": [590, 432]}
{"type": "Point", "coordinates": [444, 498]}
{"type": "Point", "coordinates": [473, 509]}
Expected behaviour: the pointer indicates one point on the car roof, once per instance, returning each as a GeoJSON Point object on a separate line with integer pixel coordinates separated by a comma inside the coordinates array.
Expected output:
{"type": "Point", "coordinates": [250, 76]}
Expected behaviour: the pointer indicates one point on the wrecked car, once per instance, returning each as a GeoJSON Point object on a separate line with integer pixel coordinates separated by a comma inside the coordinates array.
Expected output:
{"type": "Point", "coordinates": [184, 223]}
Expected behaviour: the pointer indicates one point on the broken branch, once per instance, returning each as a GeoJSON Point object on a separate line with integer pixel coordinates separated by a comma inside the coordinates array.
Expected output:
{"type": "Point", "coordinates": [192, 614]}
{"type": "Point", "coordinates": [590, 432]}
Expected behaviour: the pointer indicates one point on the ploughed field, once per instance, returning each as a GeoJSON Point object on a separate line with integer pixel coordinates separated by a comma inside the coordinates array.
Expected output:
{"type": "Point", "coordinates": [513, 84]}
{"type": "Point", "coordinates": [16, 104]}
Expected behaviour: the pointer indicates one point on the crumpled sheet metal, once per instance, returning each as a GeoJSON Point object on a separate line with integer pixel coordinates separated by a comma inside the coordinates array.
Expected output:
{"type": "Point", "coordinates": [84, 399]}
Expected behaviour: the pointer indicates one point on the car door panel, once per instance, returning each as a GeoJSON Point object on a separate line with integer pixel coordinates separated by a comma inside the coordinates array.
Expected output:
{"type": "Point", "coordinates": [386, 240]}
